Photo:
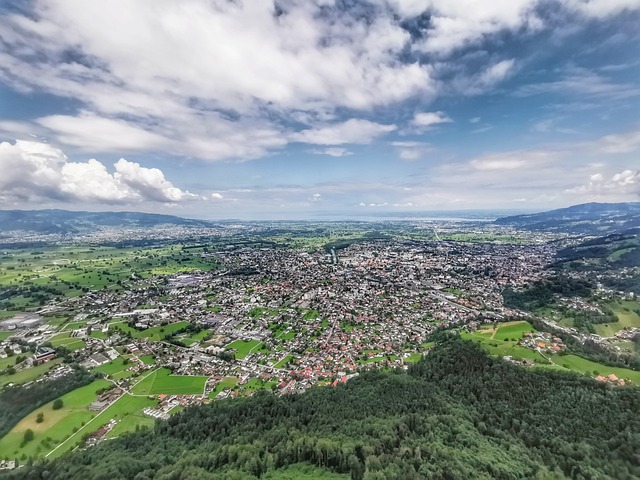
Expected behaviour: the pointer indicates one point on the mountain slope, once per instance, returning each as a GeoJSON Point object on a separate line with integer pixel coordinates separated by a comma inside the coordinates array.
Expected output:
{"type": "Point", "coordinates": [456, 414]}
{"type": "Point", "coordinates": [70, 222]}
{"type": "Point", "coordinates": [585, 219]}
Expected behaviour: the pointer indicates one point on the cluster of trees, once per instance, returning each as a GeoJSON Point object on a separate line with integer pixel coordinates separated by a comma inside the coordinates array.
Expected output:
{"type": "Point", "coordinates": [542, 292]}
{"type": "Point", "coordinates": [17, 401]}
{"type": "Point", "coordinates": [456, 414]}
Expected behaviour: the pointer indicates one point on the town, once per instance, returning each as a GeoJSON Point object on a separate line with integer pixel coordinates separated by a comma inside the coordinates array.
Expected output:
{"type": "Point", "coordinates": [280, 319]}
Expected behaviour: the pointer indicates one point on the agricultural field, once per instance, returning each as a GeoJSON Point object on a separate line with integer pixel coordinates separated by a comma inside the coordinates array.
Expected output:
{"type": "Point", "coordinates": [56, 272]}
{"type": "Point", "coordinates": [57, 425]}
{"type": "Point", "coordinates": [628, 313]}
{"type": "Point", "coordinates": [161, 381]}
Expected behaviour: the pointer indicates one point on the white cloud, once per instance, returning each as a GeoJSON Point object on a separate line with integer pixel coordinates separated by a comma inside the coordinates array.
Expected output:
{"type": "Point", "coordinates": [622, 183]}
{"type": "Point", "coordinates": [216, 196]}
{"type": "Point", "coordinates": [35, 170]}
{"type": "Point", "coordinates": [619, 143]}
{"type": "Point", "coordinates": [352, 131]}
{"type": "Point", "coordinates": [515, 160]}
{"type": "Point", "coordinates": [411, 150]}
{"type": "Point", "coordinates": [424, 120]}
{"type": "Point", "coordinates": [332, 152]}
{"type": "Point", "coordinates": [161, 76]}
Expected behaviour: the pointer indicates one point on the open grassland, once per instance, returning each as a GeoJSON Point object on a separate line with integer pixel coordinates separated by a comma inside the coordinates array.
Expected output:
{"type": "Point", "coordinates": [161, 381]}
{"type": "Point", "coordinates": [57, 425]}
{"type": "Point", "coordinates": [628, 315]}
{"type": "Point", "coordinates": [127, 411]}
{"type": "Point", "coordinates": [28, 374]}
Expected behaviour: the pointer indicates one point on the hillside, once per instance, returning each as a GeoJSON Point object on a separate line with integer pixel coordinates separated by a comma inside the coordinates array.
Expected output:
{"type": "Point", "coordinates": [456, 414]}
{"type": "Point", "coordinates": [71, 222]}
{"type": "Point", "coordinates": [585, 219]}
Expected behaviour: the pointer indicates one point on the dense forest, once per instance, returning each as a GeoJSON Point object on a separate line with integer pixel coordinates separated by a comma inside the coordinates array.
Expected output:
{"type": "Point", "coordinates": [456, 414]}
{"type": "Point", "coordinates": [541, 293]}
{"type": "Point", "coordinates": [17, 401]}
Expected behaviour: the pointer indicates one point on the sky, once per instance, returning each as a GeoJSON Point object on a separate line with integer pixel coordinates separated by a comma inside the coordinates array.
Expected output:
{"type": "Point", "coordinates": [310, 108]}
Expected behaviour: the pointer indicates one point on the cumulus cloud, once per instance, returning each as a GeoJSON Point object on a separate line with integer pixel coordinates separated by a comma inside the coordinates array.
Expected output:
{"type": "Point", "coordinates": [352, 131]}
{"type": "Point", "coordinates": [622, 183]}
{"type": "Point", "coordinates": [35, 170]}
{"type": "Point", "coordinates": [156, 75]}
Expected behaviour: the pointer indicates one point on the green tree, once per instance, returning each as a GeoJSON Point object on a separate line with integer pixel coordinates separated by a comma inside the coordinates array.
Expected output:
{"type": "Point", "coordinates": [57, 404]}
{"type": "Point", "coordinates": [28, 436]}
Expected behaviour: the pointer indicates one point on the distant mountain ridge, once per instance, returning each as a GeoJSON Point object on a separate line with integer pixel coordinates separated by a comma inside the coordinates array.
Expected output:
{"type": "Point", "coordinates": [584, 219]}
{"type": "Point", "coordinates": [71, 222]}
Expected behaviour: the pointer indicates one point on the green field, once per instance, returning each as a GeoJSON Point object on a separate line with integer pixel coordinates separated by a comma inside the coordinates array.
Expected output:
{"type": "Point", "coordinates": [161, 381]}
{"type": "Point", "coordinates": [627, 313]}
{"type": "Point", "coordinates": [66, 340]}
{"type": "Point", "coordinates": [573, 363]}
{"type": "Point", "coordinates": [283, 362]}
{"type": "Point", "coordinates": [582, 365]}
{"type": "Point", "coordinates": [28, 374]}
{"type": "Point", "coordinates": [503, 348]}
{"type": "Point", "coordinates": [154, 334]}
{"type": "Point", "coordinates": [127, 411]}
{"type": "Point", "coordinates": [198, 337]}
{"type": "Point", "coordinates": [228, 382]}
{"type": "Point", "coordinates": [513, 330]}
{"type": "Point", "coordinates": [116, 369]}
{"type": "Point", "coordinates": [148, 359]}
{"type": "Point", "coordinates": [57, 424]}
{"type": "Point", "coordinates": [243, 347]}
{"type": "Point", "coordinates": [58, 272]}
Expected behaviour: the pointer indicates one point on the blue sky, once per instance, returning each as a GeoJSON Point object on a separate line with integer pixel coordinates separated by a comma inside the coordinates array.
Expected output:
{"type": "Point", "coordinates": [299, 109]}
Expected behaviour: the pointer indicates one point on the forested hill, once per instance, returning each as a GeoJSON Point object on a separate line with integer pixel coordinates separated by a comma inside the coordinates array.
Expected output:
{"type": "Point", "coordinates": [585, 219]}
{"type": "Point", "coordinates": [456, 414]}
{"type": "Point", "coordinates": [70, 222]}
